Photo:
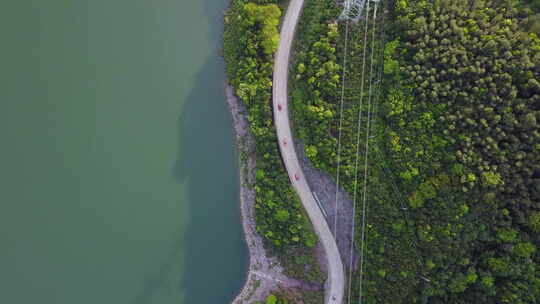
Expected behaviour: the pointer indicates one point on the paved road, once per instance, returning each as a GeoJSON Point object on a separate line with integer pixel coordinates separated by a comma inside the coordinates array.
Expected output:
{"type": "Point", "coordinates": [336, 278]}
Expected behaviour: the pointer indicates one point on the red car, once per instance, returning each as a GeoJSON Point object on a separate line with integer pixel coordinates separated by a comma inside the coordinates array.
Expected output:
{"type": "Point", "coordinates": [279, 107]}
{"type": "Point", "coordinates": [284, 142]}
{"type": "Point", "coordinates": [296, 177]}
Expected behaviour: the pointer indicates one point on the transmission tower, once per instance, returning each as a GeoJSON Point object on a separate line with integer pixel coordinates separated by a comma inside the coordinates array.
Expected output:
{"type": "Point", "coordinates": [352, 10]}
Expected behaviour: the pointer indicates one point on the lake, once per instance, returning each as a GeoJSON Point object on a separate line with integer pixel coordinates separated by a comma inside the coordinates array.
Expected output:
{"type": "Point", "coordinates": [118, 172]}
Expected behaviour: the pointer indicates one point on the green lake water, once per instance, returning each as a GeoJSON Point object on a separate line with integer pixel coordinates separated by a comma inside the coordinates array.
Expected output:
{"type": "Point", "coordinates": [118, 174]}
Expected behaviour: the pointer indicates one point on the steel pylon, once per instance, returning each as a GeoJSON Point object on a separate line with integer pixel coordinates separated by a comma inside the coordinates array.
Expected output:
{"type": "Point", "coordinates": [352, 9]}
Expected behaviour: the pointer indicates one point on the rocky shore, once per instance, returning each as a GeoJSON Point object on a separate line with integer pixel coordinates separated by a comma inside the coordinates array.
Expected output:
{"type": "Point", "coordinates": [265, 273]}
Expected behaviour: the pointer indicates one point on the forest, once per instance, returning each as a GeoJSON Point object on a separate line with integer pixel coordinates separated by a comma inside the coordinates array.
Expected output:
{"type": "Point", "coordinates": [461, 130]}
{"type": "Point", "coordinates": [448, 96]}
{"type": "Point", "coordinates": [454, 166]}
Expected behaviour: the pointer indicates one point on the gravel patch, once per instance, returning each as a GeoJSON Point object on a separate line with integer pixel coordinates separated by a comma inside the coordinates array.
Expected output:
{"type": "Point", "coordinates": [324, 187]}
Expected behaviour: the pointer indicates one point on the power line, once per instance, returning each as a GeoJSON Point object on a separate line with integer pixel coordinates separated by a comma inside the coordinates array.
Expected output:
{"type": "Point", "coordinates": [364, 203]}
{"type": "Point", "coordinates": [340, 125]}
{"type": "Point", "coordinates": [398, 196]}
{"type": "Point", "coordinates": [357, 155]}
{"type": "Point", "coordinates": [379, 72]}
{"type": "Point", "coordinates": [378, 84]}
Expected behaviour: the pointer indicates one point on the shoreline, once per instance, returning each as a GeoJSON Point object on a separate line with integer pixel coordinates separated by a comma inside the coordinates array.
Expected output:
{"type": "Point", "coordinates": [264, 273]}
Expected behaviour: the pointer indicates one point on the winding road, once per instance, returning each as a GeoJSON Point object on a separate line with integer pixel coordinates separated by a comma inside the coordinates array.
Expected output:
{"type": "Point", "coordinates": [336, 278]}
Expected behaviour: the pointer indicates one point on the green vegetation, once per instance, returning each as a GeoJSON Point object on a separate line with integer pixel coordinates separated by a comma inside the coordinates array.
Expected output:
{"type": "Point", "coordinates": [454, 159]}
{"type": "Point", "coordinates": [468, 79]}
{"type": "Point", "coordinates": [303, 265]}
{"type": "Point", "coordinates": [530, 12]}
{"type": "Point", "coordinates": [273, 299]}
{"type": "Point", "coordinates": [250, 39]}
{"type": "Point", "coordinates": [454, 181]}
{"type": "Point", "coordinates": [391, 258]}
{"type": "Point", "coordinates": [294, 296]}
{"type": "Point", "coordinates": [534, 4]}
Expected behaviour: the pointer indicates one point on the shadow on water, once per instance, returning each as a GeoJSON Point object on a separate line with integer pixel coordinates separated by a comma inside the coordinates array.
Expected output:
{"type": "Point", "coordinates": [207, 264]}
{"type": "Point", "coordinates": [206, 239]}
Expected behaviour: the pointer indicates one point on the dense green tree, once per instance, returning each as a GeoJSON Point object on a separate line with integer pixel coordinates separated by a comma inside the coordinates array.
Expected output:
{"type": "Point", "coordinates": [455, 176]}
